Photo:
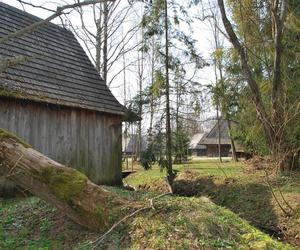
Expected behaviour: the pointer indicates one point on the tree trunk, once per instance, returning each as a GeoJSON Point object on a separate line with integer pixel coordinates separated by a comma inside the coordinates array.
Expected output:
{"type": "Point", "coordinates": [150, 139]}
{"type": "Point", "coordinates": [233, 149]}
{"type": "Point", "coordinates": [255, 92]}
{"type": "Point", "coordinates": [286, 163]}
{"type": "Point", "coordinates": [219, 135]}
{"type": "Point", "coordinates": [273, 124]}
{"type": "Point", "coordinates": [99, 43]}
{"type": "Point", "coordinates": [284, 158]}
{"type": "Point", "coordinates": [296, 162]}
{"type": "Point", "coordinates": [140, 108]}
{"type": "Point", "coordinates": [65, 188]}
{"type": "Point", "coordinates": [178, 158]}
{"type": "Point", "coordinates": [105, 40]}
{"type": "Point", "coordinates": [171, 175]}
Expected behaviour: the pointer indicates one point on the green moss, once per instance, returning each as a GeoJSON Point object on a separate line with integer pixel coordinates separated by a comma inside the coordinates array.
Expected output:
{"type": "Point", "coordinates": [10, 93]}
{"type": "Point", "coordinates": [12, 62]}
{"type": "Point", "coordinates": [64, 183]}
{"type": "Point", "coordinates": [100, 215]}
{"type": "Point", "coordinates": [8, 135]}
{"type": "Point", "coordinates": [17, 94]}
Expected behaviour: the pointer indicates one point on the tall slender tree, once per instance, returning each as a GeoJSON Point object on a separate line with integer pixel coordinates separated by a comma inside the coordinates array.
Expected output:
{"type": "Point", "coordinates": [167, 89]}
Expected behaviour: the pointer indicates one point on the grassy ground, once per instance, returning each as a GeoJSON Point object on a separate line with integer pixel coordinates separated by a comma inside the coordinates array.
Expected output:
{"type": "Point", "coordinates": [29, 223]}
{"type": "Point", "coordinates": [177, 222]}
{"type": "Point", "coordinates": [206, 167]}
{"type": "Point", "coordinates": [189, 223]}
{"type": "Point", "coordinates": [245, 191]}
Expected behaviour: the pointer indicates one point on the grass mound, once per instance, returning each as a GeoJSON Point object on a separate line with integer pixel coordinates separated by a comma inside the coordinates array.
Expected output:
{"type": "Point", "coordinates": [175, 223]}
{"type": "Point", "coordinates": [191, 223]}
{"type": "Point", "coordinates": [245, 193]}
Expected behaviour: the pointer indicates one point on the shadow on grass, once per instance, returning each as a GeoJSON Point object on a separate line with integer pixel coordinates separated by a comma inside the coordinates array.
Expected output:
{"type": "Point", "coordinates": [251, 201]}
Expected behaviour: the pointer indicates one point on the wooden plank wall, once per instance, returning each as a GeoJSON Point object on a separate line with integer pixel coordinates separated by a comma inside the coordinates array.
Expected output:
{"type": "Point", "coordinates": [213, 150]}
{"type": "Point", "coordinates": [86, 140]}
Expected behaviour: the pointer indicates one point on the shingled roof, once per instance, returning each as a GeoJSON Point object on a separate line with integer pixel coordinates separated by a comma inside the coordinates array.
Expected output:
{"type": "Point", "coordinates": [52, 66]}
{"type": "Point", "coordinates": [130, 143]}
{"type": "Point", "coordinates": [212, 138]}
{"type": "Point", "coordinates": [194, 143]}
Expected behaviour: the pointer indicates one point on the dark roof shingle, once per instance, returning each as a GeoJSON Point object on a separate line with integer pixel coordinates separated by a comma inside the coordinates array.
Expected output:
{"type": "Point", "coordinates": [212, 138]}
{"type": "Point", "coordinates": [56, 68]}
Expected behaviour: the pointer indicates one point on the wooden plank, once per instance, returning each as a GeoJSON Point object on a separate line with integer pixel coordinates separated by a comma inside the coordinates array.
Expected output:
{"type": "Point", "coordinates": [73, 137]}
{"type": "Point", "coordinates": [86, 140]}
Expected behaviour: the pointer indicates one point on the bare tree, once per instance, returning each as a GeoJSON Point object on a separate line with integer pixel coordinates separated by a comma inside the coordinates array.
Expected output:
{"type": "Point", "coordinates": [108, 39]}
{"type": "Point", "coordinates": [140, 108]}
{"type": "Point", "coordinates": [56, 13]}
{"type": "Point", "coordinates": [220, 80]}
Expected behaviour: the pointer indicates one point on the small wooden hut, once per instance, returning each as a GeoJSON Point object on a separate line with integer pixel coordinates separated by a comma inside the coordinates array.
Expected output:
{"type": "Point", "coordinates": [211, 140]}
{"type": "Point", "coordinates": [195, 148]}
{"type": "Point", "coordinates": [52, 96]}
{"type": "Point", "coordinates": [130, 144]}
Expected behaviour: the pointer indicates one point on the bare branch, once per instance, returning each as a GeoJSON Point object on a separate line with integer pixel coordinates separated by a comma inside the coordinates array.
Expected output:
{"type": "Point", "coordinates": [59, 11]}
{"type": "Point", "coordinates": [35, 6]}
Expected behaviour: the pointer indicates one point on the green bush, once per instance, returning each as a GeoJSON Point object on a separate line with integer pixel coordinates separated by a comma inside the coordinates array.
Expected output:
{"type": "Point", "coordinates": [147, 158]}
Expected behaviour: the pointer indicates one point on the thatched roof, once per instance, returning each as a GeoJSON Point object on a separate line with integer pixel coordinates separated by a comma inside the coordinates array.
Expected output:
{"type": "Point", "coordinates": [212, 137]}
{"type": "Point", "coordinates": [50, 66]}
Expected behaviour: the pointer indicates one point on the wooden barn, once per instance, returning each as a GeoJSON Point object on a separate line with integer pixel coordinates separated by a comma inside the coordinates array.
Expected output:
{"type": "Point", "coordinates": [52, 96]}
{"type": "Point", "coordinates": [130, 144]}
{"type": "Point", "coordinates": [211, 140]}
{"type": "Point", "coordinates": [195, 148]}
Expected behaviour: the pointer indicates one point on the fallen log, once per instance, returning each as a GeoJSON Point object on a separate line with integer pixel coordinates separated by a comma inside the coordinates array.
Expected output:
{"type": "Point", "coordinates": [65, 188]}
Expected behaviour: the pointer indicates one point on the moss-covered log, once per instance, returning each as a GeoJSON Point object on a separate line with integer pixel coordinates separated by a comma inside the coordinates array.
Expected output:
{"type": "Point", "coordinates": [66, 188]}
